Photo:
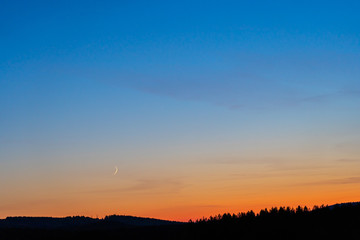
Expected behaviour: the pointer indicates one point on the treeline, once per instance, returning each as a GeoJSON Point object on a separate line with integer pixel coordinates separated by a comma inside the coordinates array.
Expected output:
{"type": "Point", "coordinates": [321, 222]}
{"type": "Point", "coordinates": [274, 211]}
{"type": "Point", "coordinates": [324, 222]}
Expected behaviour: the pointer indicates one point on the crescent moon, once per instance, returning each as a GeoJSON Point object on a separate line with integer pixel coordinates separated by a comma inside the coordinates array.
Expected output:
{"type": "Point", "coordinates": [116, 170]}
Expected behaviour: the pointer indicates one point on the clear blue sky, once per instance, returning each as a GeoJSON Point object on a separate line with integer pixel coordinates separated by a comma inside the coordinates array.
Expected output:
{"type": "Point", "coordinates": [161, 87]}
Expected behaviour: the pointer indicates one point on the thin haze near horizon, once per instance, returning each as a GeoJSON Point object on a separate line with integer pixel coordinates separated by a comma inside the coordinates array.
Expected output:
{"type": "Point", "coordinates": [177, 110]}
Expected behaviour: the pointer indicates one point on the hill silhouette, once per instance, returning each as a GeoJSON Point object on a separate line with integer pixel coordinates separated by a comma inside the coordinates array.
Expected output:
{"type": "Point", "coordinates": [340, 221]}
{"type": "Point", "coordinates": [80, 222]}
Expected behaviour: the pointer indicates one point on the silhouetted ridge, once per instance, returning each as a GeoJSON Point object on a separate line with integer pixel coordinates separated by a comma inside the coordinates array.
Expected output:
{"type": "Point", "coordinates": [80, 222]}
{"type": "Point", "coordinates": [344, 204]}
{"type": "Point", "coordinates": [47, 222]}
{"type": "Point", "coordinates": [339, 221]}
{"type": "Point", "coordinates": [136, 221]}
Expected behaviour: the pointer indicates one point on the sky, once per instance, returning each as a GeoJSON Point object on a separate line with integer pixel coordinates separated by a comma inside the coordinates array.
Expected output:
{"type": "Point", "coordinates": [204, 107]}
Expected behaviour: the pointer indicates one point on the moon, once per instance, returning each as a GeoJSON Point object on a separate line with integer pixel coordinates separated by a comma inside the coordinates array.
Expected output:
{"type": "Point", "coordinates": [116, 170]}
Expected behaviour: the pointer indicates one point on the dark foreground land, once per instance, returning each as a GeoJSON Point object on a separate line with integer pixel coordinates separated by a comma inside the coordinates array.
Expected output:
{"type": "Point", "coordinates": [340, 221]}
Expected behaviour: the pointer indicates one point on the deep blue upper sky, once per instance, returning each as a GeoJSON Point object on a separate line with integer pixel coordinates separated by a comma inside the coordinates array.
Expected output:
{"type": "Point", "coordinates": [263, 56]}
{"type": "Point", "coordinates": [233, 53]}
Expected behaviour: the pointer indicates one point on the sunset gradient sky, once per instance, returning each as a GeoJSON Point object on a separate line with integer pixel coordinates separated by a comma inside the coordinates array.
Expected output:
{"type": "Point", "coordinates": [204, 106]}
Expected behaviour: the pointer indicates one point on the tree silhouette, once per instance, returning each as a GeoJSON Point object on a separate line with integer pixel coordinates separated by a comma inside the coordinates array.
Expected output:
{"type": "Point", "coordinates": [321, 222]}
